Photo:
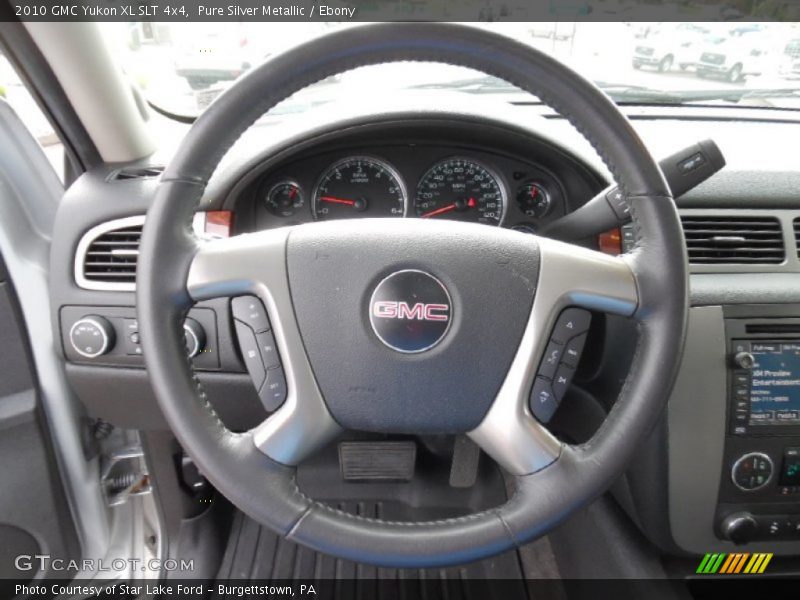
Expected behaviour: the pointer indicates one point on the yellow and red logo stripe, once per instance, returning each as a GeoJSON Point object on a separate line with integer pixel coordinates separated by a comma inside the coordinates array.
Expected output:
{"type": "Point", "coordinates": [734, 564]}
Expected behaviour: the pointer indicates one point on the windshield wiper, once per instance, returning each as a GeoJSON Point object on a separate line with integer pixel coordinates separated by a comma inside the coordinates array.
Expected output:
{"type": "Point", "coordinates": [638, 94]}
{"type": "Point", "coordinates": [632, 94]}
{"type": "Point", "coordinates": [472, 85]}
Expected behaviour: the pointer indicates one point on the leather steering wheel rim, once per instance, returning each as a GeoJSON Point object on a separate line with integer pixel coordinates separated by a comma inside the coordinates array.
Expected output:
{"type": "Point", "coordinates": [264, 488]}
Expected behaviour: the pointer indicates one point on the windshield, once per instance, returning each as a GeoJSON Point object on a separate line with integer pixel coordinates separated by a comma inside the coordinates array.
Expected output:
{"type": "Point", "coordinates": [181, 67]}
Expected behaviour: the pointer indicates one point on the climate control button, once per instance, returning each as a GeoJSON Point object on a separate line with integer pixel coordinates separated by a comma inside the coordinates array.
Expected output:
{"type": "Point", "coordinates": [752, 471]}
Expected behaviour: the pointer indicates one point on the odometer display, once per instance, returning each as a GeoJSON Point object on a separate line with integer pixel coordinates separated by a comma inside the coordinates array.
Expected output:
{"type": "Point", "coordinates": [460, 189]}
{"type": "Point", "coordinates": [359, 186]}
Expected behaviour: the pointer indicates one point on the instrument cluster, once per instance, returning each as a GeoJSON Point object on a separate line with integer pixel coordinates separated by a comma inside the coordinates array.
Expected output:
{"type": "Point", "coordinates": [409, 181]}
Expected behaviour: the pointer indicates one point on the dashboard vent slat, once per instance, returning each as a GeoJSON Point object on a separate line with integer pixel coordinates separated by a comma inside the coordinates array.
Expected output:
{"type": "Point", "coordinates": [796, 225]}
{"type": "Point", "coordinates": [734, 240]}
{"type": "Point", "coordinates": [109, 258]}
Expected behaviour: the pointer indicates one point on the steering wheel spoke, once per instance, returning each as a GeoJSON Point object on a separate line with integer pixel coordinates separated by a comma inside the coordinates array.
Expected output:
{"type": "Point", "coordinates": [256, 264]}
{"type": "Point", "coordinates": [569, 276]}
{"type": "Point", "coordinates": [576, 276]}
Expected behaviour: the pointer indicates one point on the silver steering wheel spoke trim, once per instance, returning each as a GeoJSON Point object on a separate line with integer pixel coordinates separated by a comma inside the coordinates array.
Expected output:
{"type": "Point", "coordinates": [568, 276]}
{"type": "Point", "coordinates": [256, 264]}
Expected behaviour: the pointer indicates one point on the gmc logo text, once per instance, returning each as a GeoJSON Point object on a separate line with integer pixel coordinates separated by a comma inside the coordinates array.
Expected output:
{"type": "Point", "coordinates": [403, 310]}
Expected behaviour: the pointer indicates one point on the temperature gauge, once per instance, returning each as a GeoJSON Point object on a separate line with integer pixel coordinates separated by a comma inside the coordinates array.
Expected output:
{"type": "Point", "coordinates": [533, 199]}
{"type": "Point", "coordinates": [284, 199]}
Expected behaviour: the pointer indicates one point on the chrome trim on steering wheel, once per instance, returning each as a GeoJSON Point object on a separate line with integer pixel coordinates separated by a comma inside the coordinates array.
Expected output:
{"type": "Point", "coordinates": [568, 276]}
{"type": "Point", "coordinates": [256, 264]}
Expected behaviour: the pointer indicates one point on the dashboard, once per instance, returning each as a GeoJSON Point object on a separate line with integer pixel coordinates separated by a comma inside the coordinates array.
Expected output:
{"type": "Point", "coordinates": [514, 170]}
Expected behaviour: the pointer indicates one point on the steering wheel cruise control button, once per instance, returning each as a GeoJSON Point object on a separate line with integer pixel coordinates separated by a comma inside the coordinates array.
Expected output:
{"type": "Point", "coordinates": [249, 310]}
{"type": "Point", "coordinates": [259, 351]}
{"type": "Point", "coordinates": [273, 392]}
{"type": "Point", "coordinates": [268, 350]}
{"type": "Point", "coordinates": [251, 354]}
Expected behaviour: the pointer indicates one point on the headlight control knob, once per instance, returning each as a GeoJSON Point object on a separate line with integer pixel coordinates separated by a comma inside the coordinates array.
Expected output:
{"type": "Point", "coordinates": [195, 337]}
{"type": "Point", "coordinates": [92, 336]}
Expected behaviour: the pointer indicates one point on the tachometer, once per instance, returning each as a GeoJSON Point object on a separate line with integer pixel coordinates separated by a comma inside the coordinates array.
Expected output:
{"type": "Point", "coordinates": [359, 186]}
{"type": "Point", "coordinates": [461, 189]}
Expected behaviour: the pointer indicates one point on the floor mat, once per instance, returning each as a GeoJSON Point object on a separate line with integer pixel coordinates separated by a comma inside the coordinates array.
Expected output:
{"type": "Point", "coordinates": [255, 553]}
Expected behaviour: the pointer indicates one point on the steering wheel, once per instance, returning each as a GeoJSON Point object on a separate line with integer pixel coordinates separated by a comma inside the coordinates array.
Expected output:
{"type": "Point", "coordinates": [481, 292]}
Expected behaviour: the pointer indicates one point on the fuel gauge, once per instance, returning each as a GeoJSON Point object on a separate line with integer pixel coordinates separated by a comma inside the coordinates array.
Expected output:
{"type": "Point", "coordinates": [533, 199]}
{"type": "Point", "coordinates": [284, 199]}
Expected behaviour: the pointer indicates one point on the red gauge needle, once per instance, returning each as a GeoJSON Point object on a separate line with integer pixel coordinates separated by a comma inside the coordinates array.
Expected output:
{"type": "Point", "coordinates": [461, 205]}
{"type": "Point", "coordinates": [334, 200]}
{"type": "Point", "coordinates": [439, 211]}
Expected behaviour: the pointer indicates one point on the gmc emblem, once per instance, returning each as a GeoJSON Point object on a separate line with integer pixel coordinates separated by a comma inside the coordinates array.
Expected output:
{"type": "Point", "coordinates": [403, 310]}
{"type": "Point", "coordinates": [410, 311]}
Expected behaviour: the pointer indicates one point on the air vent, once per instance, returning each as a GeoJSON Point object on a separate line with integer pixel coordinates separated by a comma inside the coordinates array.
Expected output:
{"type": "Point", "coordinates": [107, 255]}
{"type": "Point", "coordinates": [717, 240]}
{"type": "Point", "coordinates": [128, 173]}
{"type": "Point", "coordinates": [797, 235]}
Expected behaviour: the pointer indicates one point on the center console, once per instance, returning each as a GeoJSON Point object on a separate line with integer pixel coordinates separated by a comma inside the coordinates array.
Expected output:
{"type": "Point", "coordinates": [760, 483]}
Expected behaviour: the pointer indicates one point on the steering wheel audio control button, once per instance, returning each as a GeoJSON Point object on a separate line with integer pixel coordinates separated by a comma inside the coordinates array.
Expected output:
{"type": "Point", "coordinates": [571, 322]}
{"type": "Point", "coordinates": [251, 354]}
{"type": "Point", "coordinates": [542, 402]}
{"type": "Point", "coordinates": [572, 353]}
{"type": "Point", "coordinates": [561, 381]}
{"type": "Point", "coordinates": [559, 362]}
{"type": "Point", "coordinates": [250, 310]}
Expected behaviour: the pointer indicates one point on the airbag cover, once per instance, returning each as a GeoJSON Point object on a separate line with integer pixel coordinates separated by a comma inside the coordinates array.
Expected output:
{"type": "Point", "coordinates": [489, 277]}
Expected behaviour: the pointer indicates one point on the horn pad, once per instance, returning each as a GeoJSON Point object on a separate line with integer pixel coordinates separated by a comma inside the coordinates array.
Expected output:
{"type": "Point", "coordinates": [410, 326]}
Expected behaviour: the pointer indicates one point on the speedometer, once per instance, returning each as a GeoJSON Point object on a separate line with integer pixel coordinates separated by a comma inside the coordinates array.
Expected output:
{"type": "Point", "coordinates": [359, 186]}
{"type": "Point", "coordinates": [461, 189]}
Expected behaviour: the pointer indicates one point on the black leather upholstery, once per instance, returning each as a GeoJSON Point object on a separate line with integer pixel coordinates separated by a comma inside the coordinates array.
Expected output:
{"type": "Point", "coordinates": [266, 490]}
